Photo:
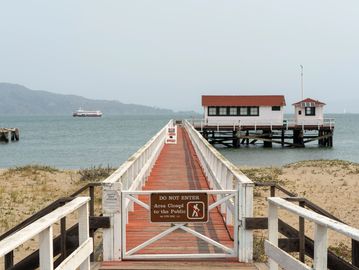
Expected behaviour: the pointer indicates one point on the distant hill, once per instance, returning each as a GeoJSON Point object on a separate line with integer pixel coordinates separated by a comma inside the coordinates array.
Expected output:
{"type": "Point", "coordinates": [18, 100]}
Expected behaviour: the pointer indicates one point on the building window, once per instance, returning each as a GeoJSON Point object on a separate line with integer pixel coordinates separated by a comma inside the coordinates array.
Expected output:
{"type": "Point", "coordinates": [275, 108]}
{"type": "Point", "coordinates": [222, 111]}
{"type": "Point", "coordinates": [243, 111]}
{"type": "Point", "coordinates": [254, 111]}
{"type": "Point", "coordinates": [309, 110]}
{"type": "Point", "coordinates": [300, 112]}
{"type": "Point", "coordinates": [233, 111]}
{"type": "Point", "coordinates": [212, 111]}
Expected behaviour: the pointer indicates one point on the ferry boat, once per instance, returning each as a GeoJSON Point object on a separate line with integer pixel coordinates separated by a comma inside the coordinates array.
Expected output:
{"type": "Point", "coordinates": [82, 113]}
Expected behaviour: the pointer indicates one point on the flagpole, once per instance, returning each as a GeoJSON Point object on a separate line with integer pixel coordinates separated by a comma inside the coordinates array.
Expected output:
{"type": "Point", "coordinates": [301, 80]}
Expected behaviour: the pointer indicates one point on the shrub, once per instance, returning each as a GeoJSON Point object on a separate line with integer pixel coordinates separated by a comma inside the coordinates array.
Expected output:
{"type": "Point", "coordinates": [95, 174]}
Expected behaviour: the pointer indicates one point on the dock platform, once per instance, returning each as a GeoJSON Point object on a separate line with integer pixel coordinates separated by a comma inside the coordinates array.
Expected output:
{"type": "Point", "coordinates": [289, 134]}
{"type": "Point", "coordinates": [9, 134]}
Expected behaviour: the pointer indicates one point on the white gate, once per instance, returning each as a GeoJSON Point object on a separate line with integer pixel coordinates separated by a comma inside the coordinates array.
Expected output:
{"type": "Point", "coordinates": [226, 200]}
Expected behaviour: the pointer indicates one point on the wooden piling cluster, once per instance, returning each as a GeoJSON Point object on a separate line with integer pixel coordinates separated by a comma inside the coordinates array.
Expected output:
{"type": "Point", "coordinates": [9, 134]}
{"type": "Point", "coordinates": [294, 136]}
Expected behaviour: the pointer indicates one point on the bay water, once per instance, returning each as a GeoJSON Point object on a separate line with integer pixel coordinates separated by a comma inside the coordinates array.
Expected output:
{"type": "Point", "coordinates": [72, 143]}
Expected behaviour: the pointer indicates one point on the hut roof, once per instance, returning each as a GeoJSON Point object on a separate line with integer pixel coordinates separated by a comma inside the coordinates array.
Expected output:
{"type": "Point", "coordinates": [309, 100]}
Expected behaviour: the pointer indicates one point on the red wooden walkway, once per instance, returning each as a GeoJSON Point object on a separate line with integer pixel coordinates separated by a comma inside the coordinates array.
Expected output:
{"type": "Point", "coordinates": [177, 168]}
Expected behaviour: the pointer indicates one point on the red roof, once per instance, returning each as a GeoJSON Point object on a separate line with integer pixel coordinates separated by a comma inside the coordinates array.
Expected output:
{"type": "Point", "coordinates": [316, 102]}
{"type": "Point", "coordinates": [271, 100]}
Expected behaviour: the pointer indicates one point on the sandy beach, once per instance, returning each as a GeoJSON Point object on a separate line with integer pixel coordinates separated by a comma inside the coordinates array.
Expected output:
{"type": "Point", "coordinates": [333, 185]}
{"type": "Point", "coordinates": [26, 190]}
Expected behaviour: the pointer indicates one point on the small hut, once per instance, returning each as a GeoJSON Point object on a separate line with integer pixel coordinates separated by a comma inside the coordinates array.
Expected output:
{"type": "Point", "coordinates": [309, 112]}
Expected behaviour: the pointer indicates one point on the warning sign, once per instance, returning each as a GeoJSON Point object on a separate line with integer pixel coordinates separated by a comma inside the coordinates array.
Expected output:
{"type": "Point", "coordinates": [171, 137]}
{"type": "Point", "coordinates": [111, 200]}
{"type": "Point", "coordinates": [179, 207]}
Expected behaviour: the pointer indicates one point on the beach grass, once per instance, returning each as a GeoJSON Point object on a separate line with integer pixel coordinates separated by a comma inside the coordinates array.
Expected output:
{"type": "Point", "coordinates": [33, 168]}
{"type": "Point", "coordinates": [95, 173]}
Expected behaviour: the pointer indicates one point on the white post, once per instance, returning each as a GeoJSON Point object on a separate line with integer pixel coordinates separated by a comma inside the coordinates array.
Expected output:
{"type": "Point", "coordinates": [224, 183]}
{"type": "Point", "coordinates": [84, 227]}
{"type": "Point", "coordinates": [230, 215]}
{"type": "Point", "coordinates": [245, 210]}
{"type": "Point", "coordinates": [46, 249]}
{"type": "Point", "coordinates": [273, 231]}
{"type": "Point", "coordinates": [111, 205]}
{"type": "Point", "coordinates": [320, 247]}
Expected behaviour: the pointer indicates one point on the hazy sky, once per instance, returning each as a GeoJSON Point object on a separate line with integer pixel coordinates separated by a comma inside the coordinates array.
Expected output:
{"type": "Point", "coordinates": [167, 53]}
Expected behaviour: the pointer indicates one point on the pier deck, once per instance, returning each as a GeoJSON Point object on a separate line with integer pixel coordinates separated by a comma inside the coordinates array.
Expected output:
{"type": "Point", "coordinates": [177, 168]}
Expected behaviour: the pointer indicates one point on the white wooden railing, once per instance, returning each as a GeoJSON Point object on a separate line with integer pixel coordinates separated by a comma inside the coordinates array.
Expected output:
{"type": "Point", "coordinates": [278, 257]}
{"type": "Point", "coordinates": [223, 175]}
{"type": "Point", "coordinates": [43, 227]}
{"type": "Point", "coordinates": [130, 176]}
{"type": "Point", "coordinates": [326, 122]}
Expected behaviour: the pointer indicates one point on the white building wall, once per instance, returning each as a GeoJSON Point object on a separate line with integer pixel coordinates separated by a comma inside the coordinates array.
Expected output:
{"type": "Point", "coordinates": [266, 117]}
{"type": "Point", "coordinates": [316, 119]}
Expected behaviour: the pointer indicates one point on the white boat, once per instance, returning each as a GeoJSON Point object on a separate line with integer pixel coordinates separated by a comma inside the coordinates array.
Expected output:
{"type": "Point", "coordinates": [82, 113]}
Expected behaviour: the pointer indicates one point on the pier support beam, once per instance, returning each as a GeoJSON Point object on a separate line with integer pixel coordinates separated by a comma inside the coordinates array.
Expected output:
{"type": "Point", "coordinates": [298, 138]}
{"type": "Point", "coordinates": [282, 137]}
{"type": "Point", "coordinates": [236, 140]}
{"type": "Point", "coordinates": [268, 143]}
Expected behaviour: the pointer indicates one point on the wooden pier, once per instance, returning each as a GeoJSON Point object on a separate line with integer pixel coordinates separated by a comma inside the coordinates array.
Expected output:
{"type": "Point", "coordinates": [9, 134]}
{"type": "Point", "coordinates": [286, 135]}
{"type": "Point", "coordinates": [183, 172]}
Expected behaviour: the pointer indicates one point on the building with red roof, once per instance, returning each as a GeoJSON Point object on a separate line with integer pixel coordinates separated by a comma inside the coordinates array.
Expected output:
{"type": "Point", "coordinates": [244, 110]}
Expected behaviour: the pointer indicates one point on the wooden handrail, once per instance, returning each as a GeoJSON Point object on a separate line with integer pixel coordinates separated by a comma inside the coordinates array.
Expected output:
{"type": "Point", "coordinates": [222, 174]}
{"type": "Point", "coordinates": [131, 175]}
{"type": "Point", "coordinates": [115, 177]}
{"type": "Point", "coordinates": [9, 261]}
{"type": "Point", "coordinates": [36, 216]}
{"type": "Point", "coordinates": [197, 138]}
{"type": "Point", "coordinates": [16, 239]}
{"type": "Point", "coordinates": [78, 192]}
{"type": "Point", "coordinates": [316, 218]}
{"type": "Point", "coordinates": [322, 224]}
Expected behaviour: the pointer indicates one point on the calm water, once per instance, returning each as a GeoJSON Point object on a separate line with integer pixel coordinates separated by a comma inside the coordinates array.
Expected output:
{"type": "Point", "coordinates": [67, 142]}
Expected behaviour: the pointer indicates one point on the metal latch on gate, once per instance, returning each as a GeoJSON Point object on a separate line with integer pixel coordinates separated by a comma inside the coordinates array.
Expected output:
{"type": "Point", "coordinates": [240, 223]}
